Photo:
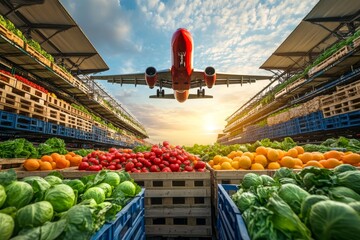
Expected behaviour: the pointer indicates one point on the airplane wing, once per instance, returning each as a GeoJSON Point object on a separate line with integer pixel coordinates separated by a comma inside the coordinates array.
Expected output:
{"type": "Point", "coordinates": [225, 78]}
{"type": "Point", "coordinates": [171, 96]}
{"type": "Point", "coordinates": [164, 78]}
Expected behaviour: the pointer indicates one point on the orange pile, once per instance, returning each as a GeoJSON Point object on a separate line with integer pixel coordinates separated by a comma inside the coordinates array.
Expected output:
{"type": "Point", "coordinates": [269, 158]}
{"type": "Point", "coordinates": [53, 161]}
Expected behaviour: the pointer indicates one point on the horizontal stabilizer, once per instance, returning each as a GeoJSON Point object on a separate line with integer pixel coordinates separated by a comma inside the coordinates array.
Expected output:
{"type": "Point", "coordinates": [171, 96]}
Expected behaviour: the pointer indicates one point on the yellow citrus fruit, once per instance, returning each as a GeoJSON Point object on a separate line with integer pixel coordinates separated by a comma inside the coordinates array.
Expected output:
{"type": "Point", "coordinates": [298, 162]}
{"type": "Point", "coordinates": [299, 149]}
{"type": "Point", "coordinates": [314, 164]}
{"type": "Point", "coordinates": [292, 153]}
{"type": "Point", "coordinates": [305, 157]}
{"type": "Point", "coordinates": [231, 155]}
{"type": "Point", "coordinates": [245, 162]}
{"type": "Point", "coordinates": [273, 155]}
{"type": "Point", "coordinates": [235, 164]}
{"type": "Point", "coordinates": [317, 156]}
{"type": "Point", "coordinates": [287, 161]}
{"type": "Point", "coordinates": [261, 150]}
{"type": "Point", "coordinates": [352, 158]}
{"type": "Point", "coordinates": [273, 165]}
{"type": "Point", "coordinates": [217, 167]}
{"type": "Point", "coordinates": [334, 154]}
{"type": "Point", "coordinates": [226, 166]}
{"type": "Point", "coordinates": [261, 159]}
{"type": "Point", "coordinates": [211, 163]}
{"type": "Point", "coordinates": [249, 155]}
{"type": "Point", "coordinates": [216, 159]}
{"type": "Point", "coordinates": [257, 166]}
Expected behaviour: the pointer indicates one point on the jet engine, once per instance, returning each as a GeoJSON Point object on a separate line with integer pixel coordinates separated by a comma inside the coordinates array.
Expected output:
{"type": "Point", "coordinates": [151, 77]}
{"type": "Point", "coordinates": [209, 76]}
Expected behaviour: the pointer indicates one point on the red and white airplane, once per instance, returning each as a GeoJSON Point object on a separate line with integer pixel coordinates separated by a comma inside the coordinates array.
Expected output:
{"type": "Point", "coordinates": [182, 76]}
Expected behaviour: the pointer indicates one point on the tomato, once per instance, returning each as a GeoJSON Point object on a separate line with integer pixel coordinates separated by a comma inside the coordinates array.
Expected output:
{"type": "Point", "coordinates": [189, 168]}
{"type": "Point", "coordinates": [200, 164]}
{"type": "Point", "coordinates": [112, 150]}
{"type": "Point", "coordinates": [172, 160]}
{"type": "Point", "coordinates": [85, 159]}
{"type": "Point", "coordinates": [186, 162]}
{"type": "Point", "coordinates": [166, 156]}
{"type": "Point", "coordinates": [118, 166]}
{"type": "Point", "coordinates": [118, 155]}
{"type": "Point", "coordinates": [154, 168]}
{"type": "Point", "coordinates": [147, 163]}
{"type": "Point", "coordinates": [104, 163]}
{"type": "Point", "coordinates": [144, 169]}
{"type": "Point", "coordinates": [129, 166]}
{"type": "Point", "coordinates": [139, 165]}
{"type": "Point", "coordinates": [166, 169]}
{"type": "Point", "coordinates": [165, 143]}
{"type": "Point", "coordinates": [111, 167]}
{"type": "Point", "coordinates": [201, 170]}
{"type": "Point", "coordinates": [156, 161]}
{"type": "Point", "coordinates": [83, 165]}
{"type": "Point", "coordinates": [161, 165]}
{"type": "Point", "coordinates": [174, 167]}
{"type": "Point", "coordinates": [95, 168]}
{"type": "Point", "coordinates": [147, 155]}
{"type": "Point", "coordinates": [94, 161]}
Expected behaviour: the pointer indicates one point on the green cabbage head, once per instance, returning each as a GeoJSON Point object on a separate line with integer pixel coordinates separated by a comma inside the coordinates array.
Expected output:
{"type": "Point", "coordinates": [107, 189]}
{"type": "Point", "coordinates": [128, 188]}
{"type": "Point", "coordinates": [96, 193]}
{"type": "Point", "coordinates": [251, 180]}
{"type": "Point", "coordinates": [293, 195]}
{"type": "Point", "coordinates": [112, 178]}
{"type": "Point", "coordinates": [245, 200]}
{"type": "Point", "coordinates": [53, 180]}
{"type": "Point", "coordinates": [61, 197]}
{"type": "Point", "coordinates": [35, 214]}
{"type": "Point", "coordinates": [2, 196]}
{"type": "Point", "coordinates": [75, 184]}
{"type": "Point", "coordinates": [6, 227]}
{"type": "Point", "coordinates": [18, 194]}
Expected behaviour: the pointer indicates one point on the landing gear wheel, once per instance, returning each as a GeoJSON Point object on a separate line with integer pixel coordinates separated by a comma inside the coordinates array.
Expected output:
{"type": "Point", "coordinates": [198, 92]}
{"type": "Point", "coordinates": [157, 92]}
{"type": "Point", "coordinates": [203, 92]}
{"type": "Point", "coordinates": [163, 93]}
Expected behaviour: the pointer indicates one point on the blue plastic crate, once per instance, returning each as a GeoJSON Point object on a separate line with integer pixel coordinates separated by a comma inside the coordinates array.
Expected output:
{"type": "Point", "coordinates": [230, 224]}
{"type": "Point", "coordinates": [354, 118]}
{"type": "Point", "coordinates": [70, 132]}
{"type": "Point", "coordinates": [38, 126]}
{"type": "Point", "coordinates": [129, 223]}
{"type": "Point", "coordinates": [23, 123]}
{"type": "Point", "coordinates": [7, 120]}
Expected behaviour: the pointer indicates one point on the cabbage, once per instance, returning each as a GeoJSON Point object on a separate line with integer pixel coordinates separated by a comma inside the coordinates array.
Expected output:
{"type": "Point", "coordinates": [343, 194]}
{"type": "Point", "coordinates": [251, 180]}
{"type": "Point", "coordinates": [128, 188]}
{"type": "Point", "coordinates": [287, 180]}
{"type": "Point", "coordinates": [343, 168]}
{"type": "Point", "coordinates": [267, 180]}
{"type": "Point", "coordinates": [43, 184]}
{"type": "Point", "coordinates": [35, 214]}
{"type": "Point", "coordinates": [293, 195]}
{"type": "Point", "coordinates": [75, 184]}
{"type": "Point", "coordinates": [2, 195]}
{"type": "Point", "coordinates": [350, 179]}
{"type": "Point", "coordinates": [245, 200]}
{"type": "Point", "coordinates": [18, 194]}
{"type": "Point", "coordinates": [107, 189]}
{"type": "Point", "coordinates": [355, 206]}
{"type": "Point", "coordinates": [61, 197]}
{"type": "Point", "coordinates": [6, 226]}
{"type": "Point", "coordinates": [98, 194]}
{"type": "Point", "coordinates": [334, 220]}
{"type": "Point", "coordinates": [112, 178]}
{"type": "Point", "coordinates": [53, 180]}
{"type": "Point", "coordinates": [307, 204]}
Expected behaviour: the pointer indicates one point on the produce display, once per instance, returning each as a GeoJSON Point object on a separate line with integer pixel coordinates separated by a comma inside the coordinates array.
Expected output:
{"type": "Point", "coordinates": [315, 203]}
{"type": "Point", "coordinates": [53, 161]}
{"type": "Point", "coordinates": [55, 208]}
{"type": "Point", "coordinates": [160, 158]}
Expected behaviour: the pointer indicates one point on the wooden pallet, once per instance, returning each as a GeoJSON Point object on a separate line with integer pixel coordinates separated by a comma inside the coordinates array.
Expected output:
{"type": "Point", "coordinates": [33, 52]}
{"type": "Point", "coordinates": [59, 104]}
{"type": "Point", "coordinates": [347, 105]}
{"type": "Point", "coordinates": [7, 163]}
{"type": "Point", "coordinates": [9, 80]}
{"type": "Point", "coordinates": [11, 36]}
{"type": "Point", "coordinates": [59, 71]}
{"type": "Point", "coordinates": [177, 204]}
{"type": "Point", "coordinates": [356, 42]}
{"type": "Point", "coordinates": [35, 93]}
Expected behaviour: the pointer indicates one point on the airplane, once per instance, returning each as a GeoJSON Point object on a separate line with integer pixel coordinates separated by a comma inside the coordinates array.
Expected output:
{"type": "Point", "coordinates": [181, 77]}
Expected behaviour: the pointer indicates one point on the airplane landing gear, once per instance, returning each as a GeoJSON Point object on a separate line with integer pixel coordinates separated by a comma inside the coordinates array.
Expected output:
{"type": "Point", "coordinates": [160, 92]}
{"type": "Point", "coordinates": [200, 92]}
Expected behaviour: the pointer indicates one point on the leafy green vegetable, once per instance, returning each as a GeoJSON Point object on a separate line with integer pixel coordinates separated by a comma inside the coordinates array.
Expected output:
{"type": "Point", "coordinates": [52, 145]}
{"type": "Point", "coordinates": [343, 168]}
{"type": "Point", "coordinates": [48, 231]}
{"type": "Point", "coordinates": [286, 220]}
{"type": "Point", "coordinates": [7, 177]}
{"type": "Point", "coordinates": [267, 180]}
{"type": "Point", "coordinates": [53, 180]}
{"type": "Point", "coordinates": [83, 152]}
{"type": "Point", "coordinates": [107, 189]}
{"type": "Point", "coordinates": [18, 194]}
{"type": "Point", "coordinates": [293, 195]}
{"type": "Point", "coordinates": [350, 179]}
{"type": "Point", "coordinates": [11, 211]}
{"type": "Point", "coordinates": [307, 204]}
{"type": "Point", "coordinates": [334, 220]}
{"type": "Point", "coordinates": [18, 148]}
{"type": "Point", "coordinates": [251, 180]}
{"type": "Point", "coordinates": [112, 178]}
{"type": "Point", "coordinates": [35, 214]}
{"type": "Point", "coordinates": [80, 223]}
{"type": "Point", "coordinates": [6, 227]}
{"type": "Point", "coordinates": [39, 186]}
{"type": "Point", "coordinates": [343, 194]}
{"type": "Point", "coordinates": [2, 196]}
{"type": "Point", "coordinates": [96, 193]}
{"type": "Point", "coordinates": [245, 200]}
{"type": "Point", "coordinates": [75, 184]}
{"type": "Point", "coordinates": [355, 206]}
{"type": "Point", "coordinates": [61, 197]}
{"type": "Point", "coordinates": [128, 188]}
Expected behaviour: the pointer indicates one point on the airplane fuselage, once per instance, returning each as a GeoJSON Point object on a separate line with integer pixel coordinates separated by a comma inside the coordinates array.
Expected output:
{"type": "Point", "coordinates": [182, 61]}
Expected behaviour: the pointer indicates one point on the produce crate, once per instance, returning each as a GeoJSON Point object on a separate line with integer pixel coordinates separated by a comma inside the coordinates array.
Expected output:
{"type": "Point", "coordinates": [61, 72]}
{"type": "Point", "coordinates": [230, 224]}
{"type": "Point", "coordinates": [11, 36]}
{"type": "Point", "coordinates": [177, 204]}
{"type": "Point", "coordinates": [7, 163]}
{"type": "Point", "coordinates": [9, 80]}
{"type": "Point", "coordinates": [33, 52]}
{"type": "Point", "coordinates": [129, 223]}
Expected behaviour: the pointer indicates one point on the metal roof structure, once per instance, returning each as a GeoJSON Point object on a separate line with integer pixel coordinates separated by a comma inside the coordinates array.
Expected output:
{"type": "Point", "coordinates": [328, 22]}
{"type": "Point", "coordinates": [50, 24]}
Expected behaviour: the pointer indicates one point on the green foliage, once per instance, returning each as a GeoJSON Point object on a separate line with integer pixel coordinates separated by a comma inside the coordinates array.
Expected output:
{"type": "Point", "coordinates": [6, 227]}
{"type": "Point", "coordinates": [96, 193]}
{"type": "Point", "coordinates": [53, 180]}
{"type": "Point", "coordinates": [52, 145]}
{"type": "Point", "coordinates": [34, 215]}
{"type": "Point", "coordinates": [61, 197]}
{"type": "Point", "coordinates": [18, 148]}
{"type": "Point", "coordinates": [2, 196]}
{"type": "Point", "coordinates": [18, 194]}
{"type": "Point", "coordinates": [75, 184]}
{"type": "Point", "coordinates": [293, 195]}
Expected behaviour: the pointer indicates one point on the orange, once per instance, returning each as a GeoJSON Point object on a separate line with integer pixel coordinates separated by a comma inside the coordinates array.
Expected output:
{"type": "Point", "coordinates": [75, 160]}
{"type": "Point", "coordinates": [257, 166]}
{"type": "Point", "coordinates": [238, 153]}
{"type": "Point", "coordinates": [351, 158]}
{"type": "Point", "coordinates": [298, 162]}
{"type": "Point", "coordinates": [217, 167]}
{"type": "Point", "coordinates": [231, 155]}
{"type": "Point", "coordinates": [333, 154]}
{"type": "Point", "coordinates": [287, 161]}
{"type": "Point", "coordinates": [317, 156]}
{"type": "Point", "coordinates": [68, 157]}
{"type": "Point", "coordinates": [62, 163]}
{"type": "Point", "coordinates": [249, 155]}
{"type": "Point", "coordinates": [281, 153]}
{"type": "Point", "coordinates": [305, 157]}
{"type": "Point", "coordinates": [298, 167]}
{"type": "Point", "coordinates": [46, 158]}
{"type": "Point", "coordinates": [226, 166]}
{"type": "Point", "coordinates": [45, 166]}
{"type": "Point", "coordinates": [211, 163]}
{"type": "Point", "coordinates": [273, 165]}
{"type": "Point", "coordinates": [53, 165]}
{"type": "Point", "coordinates": [292, 153]}
{"type": "Point", "coordinates": [261, 150]}
{"type": "Point", "coordinates": [261, 159]}
{"type": "Point", "coordinates": [31, 164]}
{"type": "Point", "coordinates": [323, 162]}
{"type": "Point", "coordinates": [225, 159]}
{"type": "Point", "coordinates": [72, 154]}
{"type": "Point", "coordinates": [273, 155]}
{"type": "Point", "coordinates": [56, 157]}
{"type": "Point", "coordinates": [299, 149]}
{"type": "Point", "coordinates": [235, 164]}
{"type": "Point", "coordinates": [245, 162]}
{"type": "Point", "coordinates": [331, 163]}
{"type": "Point", "coordinates": [216, 159]}
{"type": "Point", "coordinates": [313, 163]}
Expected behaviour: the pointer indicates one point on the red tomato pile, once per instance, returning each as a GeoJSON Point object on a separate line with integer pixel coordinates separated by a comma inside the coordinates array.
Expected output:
{"type": "Point", "coordinates": [161, 158]}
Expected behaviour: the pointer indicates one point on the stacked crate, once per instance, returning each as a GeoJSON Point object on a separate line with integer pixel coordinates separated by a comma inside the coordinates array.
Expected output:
{"type": "Point", "coordinates": [177, 204]}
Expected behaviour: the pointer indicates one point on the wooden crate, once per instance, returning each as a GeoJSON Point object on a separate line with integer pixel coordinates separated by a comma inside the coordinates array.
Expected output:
{"type": "Point", "coordinates": [35, 94]}
{"type": "Point", "coordinates": [7, 79]}
{"type": "Point", "coordinates": [11, 36]}
{"type": "Point", "coordinates": [177, 204]}
{"type": "Point", "coordinates": [59, 71]}
{"type": "Point", "coordinates": [58, 104]}
{"type": "Point", "coordinates": [356, 42]}
{"type": "Point", "coordinates": [33, 52]}
{"type": "Point", "coordinates": [7, 163]}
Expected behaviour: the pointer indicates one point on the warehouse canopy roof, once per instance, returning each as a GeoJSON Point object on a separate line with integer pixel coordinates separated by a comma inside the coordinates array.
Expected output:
{"type": "Point", "coordinates": [327, 22]}
{"type": "Point", "coordinates": [48, 22]}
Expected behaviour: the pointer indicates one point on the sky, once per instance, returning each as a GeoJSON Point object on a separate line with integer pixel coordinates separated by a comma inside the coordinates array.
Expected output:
{"type": "Point", "coordinates": [235, 36]}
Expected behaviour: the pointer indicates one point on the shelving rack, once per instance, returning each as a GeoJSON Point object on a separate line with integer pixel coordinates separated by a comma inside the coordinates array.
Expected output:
{"type": "Point", "coordinates": [56, 117]}
{"type": "Point", "coordinates": [305, 100]}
